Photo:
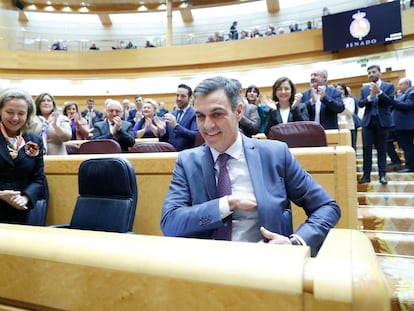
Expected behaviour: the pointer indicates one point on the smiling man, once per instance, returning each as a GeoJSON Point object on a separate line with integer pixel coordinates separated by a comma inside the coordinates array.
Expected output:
{"type": "Point", "coordinates": [260, 178]}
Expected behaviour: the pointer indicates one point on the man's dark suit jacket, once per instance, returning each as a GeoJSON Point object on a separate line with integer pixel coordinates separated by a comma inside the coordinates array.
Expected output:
{"type": "Point", "coordinates": [191, 208]}
{"type": "Point", "coordinates": [403, 112]}
{"type": "Point", "coordinates": [300, 113]}
{"type": "Point", "coordinates": [250, 120]}
{"type": "Point", "coordinates": [182, 137]}
{"type": "Point", "coordinates": [385, 101]}
{"type": "Point", "coordinates": [131, 115]}
{"type": "Point", "coordinates": [331, 105]}
{"type": "Point", "coordinates": [25, 173]}
{"type": "Point", "coordinates": [99, 115]}
{"type": "Point", "coordinates": [125, 136]}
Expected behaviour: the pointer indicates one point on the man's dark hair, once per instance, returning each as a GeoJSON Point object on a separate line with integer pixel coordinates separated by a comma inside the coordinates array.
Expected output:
{"type": "Point", "coordinates": [210, 85]}
{"type": "Point", "coordinates": [374, 67]}
{"type": "Point", "coordinates": [185, 86]}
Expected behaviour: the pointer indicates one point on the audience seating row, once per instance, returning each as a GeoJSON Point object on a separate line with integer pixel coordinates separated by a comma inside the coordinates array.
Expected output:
{"type": "Point", "coordinates": [106, 146]}
{"type": "Point", "coordinates": [295, 134]}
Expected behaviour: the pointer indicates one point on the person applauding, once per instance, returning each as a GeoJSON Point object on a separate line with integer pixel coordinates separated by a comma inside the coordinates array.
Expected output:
{"type": "Point", "coordinates": [22, 178]}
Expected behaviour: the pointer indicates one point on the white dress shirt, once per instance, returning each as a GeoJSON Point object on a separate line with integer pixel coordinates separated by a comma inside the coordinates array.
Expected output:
{"type": "Point", "coordinates": [245, 224]}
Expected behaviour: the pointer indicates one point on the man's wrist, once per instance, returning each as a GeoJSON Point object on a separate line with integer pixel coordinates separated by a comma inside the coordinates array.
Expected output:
{"type": "Point", "coordinates": [177, 126]}
{"type": "Point", "coordinates": [295, 240]}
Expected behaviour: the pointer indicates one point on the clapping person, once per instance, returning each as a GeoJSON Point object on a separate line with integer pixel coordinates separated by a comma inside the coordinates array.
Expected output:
{"type": "Point", "coordinates": [180, 125]}
{"type": "Point", "coordinates": [114, 127]}
{"type": "Point", "coordinates": [288, 107]}
{"type": "Point", "coordinates": [53, 127]}
{"type": "Point", "coordinates": [250, 121]}
{"type": "Point", "coordinates": [149, 125]}
{"type": "Point", "coordinates": [22, 178]}
{"type": "Point", "coordinates": [79, 125]}
{"type": "Point", "coordinates": [348, 114]}
{"type": "Point", "coordinates": [324, 102]}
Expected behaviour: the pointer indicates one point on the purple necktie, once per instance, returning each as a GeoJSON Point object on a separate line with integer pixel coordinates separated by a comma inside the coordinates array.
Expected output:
{"type": "Point", "coordinates": [223, 189]}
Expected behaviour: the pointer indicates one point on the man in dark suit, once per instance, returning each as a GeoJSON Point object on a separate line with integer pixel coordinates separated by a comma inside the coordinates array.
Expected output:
{"type": "Point", "coordinates": [377, 98]}
{"type": "Point", "coordinates": [91, 114]}
{"type": "Point", "coordinates": [323, 102]}
{"type": "Point", "coordinates": [403, 115]}
{"type": "Point", "coordinates": [180, 125]}
{"type": "Point", "coordinates": [115, 128]}
{"type": "Point", "coordinates": [135, 114]}
{"type": "Point", "coordinates": [264, 178]}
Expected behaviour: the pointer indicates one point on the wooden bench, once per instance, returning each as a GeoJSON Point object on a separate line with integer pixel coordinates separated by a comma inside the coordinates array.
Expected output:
{"type": "Point", "coordinates": [332, 167]}
{"type": "Point", "coordinates": [63, 269]}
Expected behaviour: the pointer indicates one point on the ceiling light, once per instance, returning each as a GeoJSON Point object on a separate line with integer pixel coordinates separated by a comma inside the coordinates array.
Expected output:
{"type": "Point", "coordinates": [142, 8]}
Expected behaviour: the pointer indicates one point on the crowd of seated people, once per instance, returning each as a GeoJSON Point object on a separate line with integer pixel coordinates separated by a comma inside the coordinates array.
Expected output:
{"type": "Point", "coordinates": [256, 32]}
{"type": "Point", "coordinates": [146, 118]}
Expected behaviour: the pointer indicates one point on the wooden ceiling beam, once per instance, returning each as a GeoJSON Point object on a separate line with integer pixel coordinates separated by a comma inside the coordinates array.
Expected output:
{"type": "Point", "coordinates": [273, 6]}
{"type": "Point", "coordinates": [105, 19]}
{"type": "Point", "coordinates": [119, 6]}
{"type": "Point", "coordinates": [186, 15]}
{"type": "Point", "coordinates": [22, 17]}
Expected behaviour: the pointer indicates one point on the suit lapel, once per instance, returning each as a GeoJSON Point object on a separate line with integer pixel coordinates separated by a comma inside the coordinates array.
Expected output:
{"type": "Point", "coordinates": [207, 167]}
{"type": "Point", "coordinates": [255, 169]}
{"type": "Point", "coordinates": [4, 152]}
{"type": "Point", "coordinates": [278, 114]}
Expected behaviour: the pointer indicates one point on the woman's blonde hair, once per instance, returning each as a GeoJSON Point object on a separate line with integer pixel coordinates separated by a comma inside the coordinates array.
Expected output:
{"type": "Point", "coordinates": [9, 94]}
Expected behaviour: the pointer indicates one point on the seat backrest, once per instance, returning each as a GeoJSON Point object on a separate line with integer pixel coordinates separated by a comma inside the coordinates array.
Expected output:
{"type": "Point", "coordinates": [100, 146]}
{"type": "Point", "coordinates": [108, 195]}
{"type": "Point", "coordinates": [158, 146]}
{"type": "Point", "coordinates": [72, 149]}
{"type": "Point", "coordinates": [299, 134]}
{"type": "Point", "coordinates": [37, 215]}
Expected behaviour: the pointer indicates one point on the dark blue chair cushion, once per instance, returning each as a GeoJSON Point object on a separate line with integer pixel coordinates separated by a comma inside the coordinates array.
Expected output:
{"type": "Point", "coordinates": [108, 195]}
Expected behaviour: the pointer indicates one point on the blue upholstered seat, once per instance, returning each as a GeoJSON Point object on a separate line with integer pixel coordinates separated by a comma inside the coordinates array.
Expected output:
{"type": "Point", "coordinates": [108, 196]}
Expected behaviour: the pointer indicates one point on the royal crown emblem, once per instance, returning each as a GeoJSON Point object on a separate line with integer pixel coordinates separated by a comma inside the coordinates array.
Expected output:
{"type": "Point", "coordinates": [360, 26]}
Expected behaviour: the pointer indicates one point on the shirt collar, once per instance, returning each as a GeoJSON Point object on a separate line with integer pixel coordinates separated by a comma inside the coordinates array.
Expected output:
{"type": "Point", "coordinates": [234, 150]}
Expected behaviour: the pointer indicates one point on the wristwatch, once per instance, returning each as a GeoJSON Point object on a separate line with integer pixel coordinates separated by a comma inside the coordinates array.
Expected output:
{"type": "Point", "coordinates": [294, 240]}
{"type": "Point", "coordinates": [177, 127]}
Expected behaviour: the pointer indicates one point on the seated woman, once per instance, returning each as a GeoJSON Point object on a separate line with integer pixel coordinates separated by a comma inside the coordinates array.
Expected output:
{"type": "Point", "coordinates": [148, 126]}
{"type": "Point", "coordinates": [22, 178]}
{"type": "Point", "coordinates": [288, 107]}
{"type": "Point", "coordinates": [79, 125]}
{"type": "Point", "coordinates": [250, 120]}
{"type": "Point", "coordinates": [53, 127]}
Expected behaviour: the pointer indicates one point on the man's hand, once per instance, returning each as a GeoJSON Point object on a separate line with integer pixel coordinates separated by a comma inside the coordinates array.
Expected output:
{"type": "Point", "coordinates": [314, 94]}
{"type": "Point", "coordinates": [374, 89]}
{"type": "Point", "coordinates": [274, 238]}
{"type": "Point", "coordinates": [322, 91]}
{"type": "Point", "coordinates": [170, 118]}
{"type": "Point", "coordinates": [117, 125]}
{"type": "Point", "coordinates": [246, 202]}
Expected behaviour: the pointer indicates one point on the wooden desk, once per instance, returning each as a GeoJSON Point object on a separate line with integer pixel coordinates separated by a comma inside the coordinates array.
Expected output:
{"type": "Point", "coordinates": [64, 269]}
